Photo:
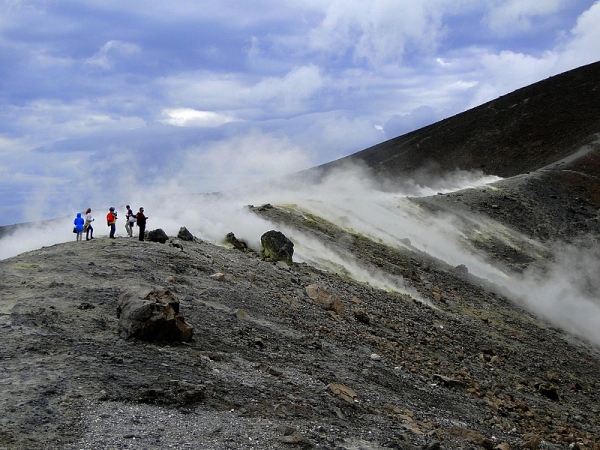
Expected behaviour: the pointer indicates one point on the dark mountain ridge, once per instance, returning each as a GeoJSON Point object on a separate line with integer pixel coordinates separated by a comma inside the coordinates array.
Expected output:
{"type": "Point", "coordinates": [543, 139]}
{"type": "Point", "coordinates": [517, 133]}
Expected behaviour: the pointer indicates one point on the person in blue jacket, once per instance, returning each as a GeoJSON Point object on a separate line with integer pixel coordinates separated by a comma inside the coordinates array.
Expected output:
{"type": "Point", "coordinates": [78, 222]}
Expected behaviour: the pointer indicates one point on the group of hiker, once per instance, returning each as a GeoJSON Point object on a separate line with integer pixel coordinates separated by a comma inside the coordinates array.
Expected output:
{"type": "Point", "coordinates": [85, 225]}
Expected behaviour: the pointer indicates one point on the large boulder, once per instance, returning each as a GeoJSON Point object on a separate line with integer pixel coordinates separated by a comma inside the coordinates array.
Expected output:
{"type": "Point", "coordinates": [277, 247]}
{"type": "Point", "coordinates": [185, 235]}
{"type": "Point", "coordinates": [157, 235]}
{"type": "Point", "coordinates": [152, 315]}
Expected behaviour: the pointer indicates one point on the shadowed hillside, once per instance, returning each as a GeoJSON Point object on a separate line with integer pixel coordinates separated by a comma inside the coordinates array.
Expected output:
{"type": "Point", "coordinates": [544, 139]}
{"type": "Point", "coordinates": [517, 133]}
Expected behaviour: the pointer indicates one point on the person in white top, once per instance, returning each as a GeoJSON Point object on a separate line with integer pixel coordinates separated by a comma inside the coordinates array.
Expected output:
{"type": "Point", "coordinates": [89, 231]}
{"type": "Point", "coordinates": [129, 221]}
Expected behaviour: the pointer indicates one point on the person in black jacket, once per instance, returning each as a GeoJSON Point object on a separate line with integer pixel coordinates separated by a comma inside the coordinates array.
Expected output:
{"type": "Point", "coordinates": [141, 222]}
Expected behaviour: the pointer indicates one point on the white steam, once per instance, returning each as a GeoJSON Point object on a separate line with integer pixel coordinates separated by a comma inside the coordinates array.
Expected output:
{"type": "Point", "coordinates": [566, 294]}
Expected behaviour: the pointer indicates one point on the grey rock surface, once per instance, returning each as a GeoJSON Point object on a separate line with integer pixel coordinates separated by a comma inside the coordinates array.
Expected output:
{"type": "Point", "coordinates": [281, 356]}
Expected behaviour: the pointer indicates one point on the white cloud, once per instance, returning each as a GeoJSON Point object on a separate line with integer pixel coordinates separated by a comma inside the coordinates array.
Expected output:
{"type": "Point", "coordinates": [508, 71]}
{"type": "Point", "coordinates": [507, 17]}
{"type": "Point", "coordinates": [288, 94]}
{"type": "Point", "coordinates": [245, 98]}
{"type": "Point", "coordinates": [583, 46]}
{"type": "Point", "coordinates": [111, 52]}
{"type": "Point", "coordinates": [187, 117]}
{"type": "Point", "coordinates": [50, 121]}
{"type": "Point", "coordinates": [381, 31]}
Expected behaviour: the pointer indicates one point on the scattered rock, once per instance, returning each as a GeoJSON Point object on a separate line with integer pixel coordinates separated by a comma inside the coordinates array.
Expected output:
{"type": "Point", "coordinates": [294, 438]}
{"type": "Point", "coordinates": [362, 316]}
{"type": "Point", "coordinates": [270, 370]}
{"type": "Point", "coordinates": [58, 361]}
{"type": "Point", "coordinates": [548, 390]}
{"type": "Point", "coordinates": [503, 446]}
{"type": "Point", "coordinates": [277, 247]}
{"type": "Point", "coordinates": [241, 314]}
{"type": "Point", "coordinates": [152, 315]}
{"type": "Point", "coordinates": [531, 442]}
{"type": "Point", "coordinates": [236, 243]}
{"type": "Point", "coordinates": [176, 245]}
{"type": "Point", "coordinates": [474, 437]}
{"type": "Point", "coordinates": [344, 392]}
{"type": "Point", "coordinates": [447, 381]}
{"type": "Point", "coordinates": [325, 300]}
{"type": "Point", "coordinates": [175, 392]}
{"type": "Point", "coordinates": [157, 235]}
{"type": "Point", "coordinates": [85, 305]}
{"type": "Point", "coordinates": [462, 269]}
{"type": "Point", "coordinates": [185, 235]}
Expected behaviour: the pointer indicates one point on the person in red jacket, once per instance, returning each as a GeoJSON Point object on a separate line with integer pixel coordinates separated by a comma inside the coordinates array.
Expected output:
{"type": "Point", "coordinates": [111, 221]}
{"type": "Point", "coordinates": [141, 222]}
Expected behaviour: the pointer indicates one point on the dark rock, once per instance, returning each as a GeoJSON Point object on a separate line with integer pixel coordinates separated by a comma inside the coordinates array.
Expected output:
{"type": "Point", "coordinates": [531, 442]}
{"type": "Point", "coordinates": [447, 381]}
{"type": "Point", "coordinates": [152, 316]}
{"type": "Point", "coordinates": [85, 305]}
{"type": "Point", "coordinates": [240, 245]}
{"type": "Point", "coordinates": [548, 390]}
{"type": "Point", "coordinates": [176, 245]}
{"type": "Point", "coordinates": [296, 438]}
{"type": "Point", "coordinates": [462, 269]}
{"type": "Point", "coordinates": [474, 437]}
{"type": "Point", "coordinates": [277, 247]}
{"type": "Point", "coordinates": [157, 235]}
{"type": "Point", "coordinates": [177, 392]}
{"type": "Point", "coordinates": [185, 235]}
{"type": "Point", "coordinates": [433, 446]}
{"type": "Point", "coordinates": [362, 317]}
{"type": "Point", "coordinates": [270, 370]}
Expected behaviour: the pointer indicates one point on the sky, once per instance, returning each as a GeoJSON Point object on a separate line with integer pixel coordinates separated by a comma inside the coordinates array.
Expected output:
{"type": "Point", "coordinates": [103, 101]}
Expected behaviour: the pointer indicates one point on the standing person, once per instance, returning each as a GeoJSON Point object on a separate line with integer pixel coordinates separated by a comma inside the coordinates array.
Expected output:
{"type": "Point", "coordinates": [78, 222]}
{"type": "Point", "coordinates": [111, 221]}
{"type": "Point", "coordinates": [89, 231]}
{"type": "Point", "coordinates": [141, 222]}
{"type": "Point", "coordinates": [130, 219]}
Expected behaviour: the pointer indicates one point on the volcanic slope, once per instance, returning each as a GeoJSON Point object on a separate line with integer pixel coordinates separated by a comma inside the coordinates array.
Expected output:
{"type": "Point", "coordinates": [421, 353]}
{"type": "Point", "coordinates": [523, 131]}
{"type": "Point", "coordinates": [282, 355]}
{"type": "Point", "coordinates": [543, 139]}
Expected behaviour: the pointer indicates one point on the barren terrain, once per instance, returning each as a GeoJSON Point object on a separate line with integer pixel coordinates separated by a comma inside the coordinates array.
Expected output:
{"type": "Point", "coordinates": [295, 356]}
